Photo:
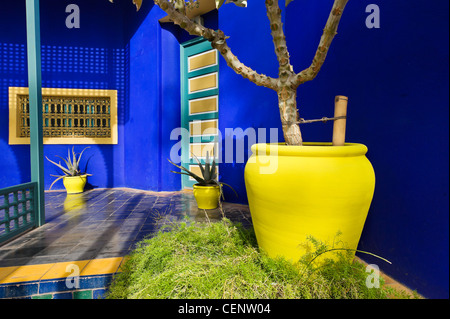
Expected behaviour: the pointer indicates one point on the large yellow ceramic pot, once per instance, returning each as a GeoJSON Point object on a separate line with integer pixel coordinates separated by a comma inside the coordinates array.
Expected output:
{"type": "Point", "coordinates": [312, 190]}
{"type": "Point", "coordinates": [74, 184]}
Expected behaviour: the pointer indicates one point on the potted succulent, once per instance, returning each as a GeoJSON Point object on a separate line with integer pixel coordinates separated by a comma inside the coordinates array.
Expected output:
{"type": "Point", "coordinates": [73, 178]}
{"type": "Point", "coordinates": [317, 189]}
{"type": "Point", "coordinates": [207, 190]}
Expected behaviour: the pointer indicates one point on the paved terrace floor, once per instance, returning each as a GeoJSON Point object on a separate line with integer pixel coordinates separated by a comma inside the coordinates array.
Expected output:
{"type": "Point", "coordinates": [104, 223]}
{"type": "Point", "coordinates": [95, 230]}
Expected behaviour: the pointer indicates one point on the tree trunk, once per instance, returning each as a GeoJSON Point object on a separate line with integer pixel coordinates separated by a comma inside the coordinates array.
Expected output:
{"type": "Point", "coordinates": [287, 103]}
{"type": "Point", "coordinates": [287, 83]}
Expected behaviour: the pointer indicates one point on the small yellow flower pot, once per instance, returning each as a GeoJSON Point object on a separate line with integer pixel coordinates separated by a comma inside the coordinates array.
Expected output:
{"type": "Point", "coordinates": [74, 184]}
{"type": "Point", "coordinates": [312, 190]}
{"type": "Point", "coordinates": [207, 197]}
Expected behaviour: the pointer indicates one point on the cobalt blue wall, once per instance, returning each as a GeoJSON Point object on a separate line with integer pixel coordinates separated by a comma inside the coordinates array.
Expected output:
{"type": "Point", "coordinates": [242, 104]}
{"type": "Point", "coordinates": [154, 99]}
{"type": "Point", "coordinates": [95, 56]}
{"type": "Point", "coordinates": [12, 73]}
{"type": "Point", "coordinates": [154, 92]}
{"type": "Point", "coordinates": [396, 78]}
{"type": "Point", "coordinates": [143, 132]}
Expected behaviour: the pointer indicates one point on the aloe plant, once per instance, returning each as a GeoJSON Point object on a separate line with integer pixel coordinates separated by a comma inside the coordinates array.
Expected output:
{"type": "Point", "coordinates": [209, 174]}
{"type": "Point", "coordinates": [72, 165]}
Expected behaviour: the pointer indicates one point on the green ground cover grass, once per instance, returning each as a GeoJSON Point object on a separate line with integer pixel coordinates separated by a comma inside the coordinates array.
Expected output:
{"type": "Point", "coordinates": [222, 260]}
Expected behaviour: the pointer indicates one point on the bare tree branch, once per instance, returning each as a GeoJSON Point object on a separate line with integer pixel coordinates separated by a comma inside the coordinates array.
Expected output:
{"type": "Point", "coordinates": [218, 41]}
{"type": "Point", "coordinates": [328, 35]}
{"type": "Point", "coordinates": [180, 6]}
{"type": "Point", "coordinates": [279, 39]}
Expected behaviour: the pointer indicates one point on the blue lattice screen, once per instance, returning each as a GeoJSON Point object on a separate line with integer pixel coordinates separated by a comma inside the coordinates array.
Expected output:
{"type": "Point", "coordinates": [17, 210]}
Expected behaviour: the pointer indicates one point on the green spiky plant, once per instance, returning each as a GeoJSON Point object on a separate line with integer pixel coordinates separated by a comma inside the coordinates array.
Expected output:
{"type": "Point", "coordinates": [209, 174]}
{"type": "Point", "coordinates": [72, 165]}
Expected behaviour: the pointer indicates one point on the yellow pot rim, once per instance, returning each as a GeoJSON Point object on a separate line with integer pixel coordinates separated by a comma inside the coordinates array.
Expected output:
{"type": "Point", "coordinates": [209, 186]}
{"type": "Point", "coordinates": [73, 177]}
{"type": "Point", "coordinates": [310, 149]}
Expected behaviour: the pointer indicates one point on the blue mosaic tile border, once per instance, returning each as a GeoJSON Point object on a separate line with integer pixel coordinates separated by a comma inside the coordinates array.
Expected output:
{"type": "Point", "coordinates": [89, 287]}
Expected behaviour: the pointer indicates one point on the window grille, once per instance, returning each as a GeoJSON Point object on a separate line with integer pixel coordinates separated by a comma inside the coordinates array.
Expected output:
{"type": "Point", "coordinates": [67, 119]}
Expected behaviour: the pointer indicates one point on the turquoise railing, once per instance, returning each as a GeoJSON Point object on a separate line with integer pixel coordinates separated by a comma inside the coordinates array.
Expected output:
{"type": "Point", "coordinates": [18, 210]}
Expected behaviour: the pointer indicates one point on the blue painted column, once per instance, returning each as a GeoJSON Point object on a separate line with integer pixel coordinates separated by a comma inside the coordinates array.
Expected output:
{"type": "Point", "coordinates": [35, 94]}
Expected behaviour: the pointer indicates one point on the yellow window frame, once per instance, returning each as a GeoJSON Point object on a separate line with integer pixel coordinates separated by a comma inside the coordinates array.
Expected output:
{"type": "Point", "coordinates": [15, 138]}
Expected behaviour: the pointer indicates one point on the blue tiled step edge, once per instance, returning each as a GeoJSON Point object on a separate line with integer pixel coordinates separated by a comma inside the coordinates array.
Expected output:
{"type": "Point", "coordinates": [84, 287]}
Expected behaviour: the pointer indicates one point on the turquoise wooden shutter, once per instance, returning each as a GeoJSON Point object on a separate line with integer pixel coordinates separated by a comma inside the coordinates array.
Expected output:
{"type": "Point", "coordinates": [199, 103]}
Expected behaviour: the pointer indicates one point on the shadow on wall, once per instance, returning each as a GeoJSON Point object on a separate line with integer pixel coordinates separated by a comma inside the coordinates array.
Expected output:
{"type": "Point", "coordinates": [97, 160]}
{"type": "Point", "coordinates": [94, 56]}
{"type": "Point", "coordinates": [12, 175]}
{"type": "Point", "coordinates": [62, 67]}
{"type": "Point", "coordinates": [15, 163]}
